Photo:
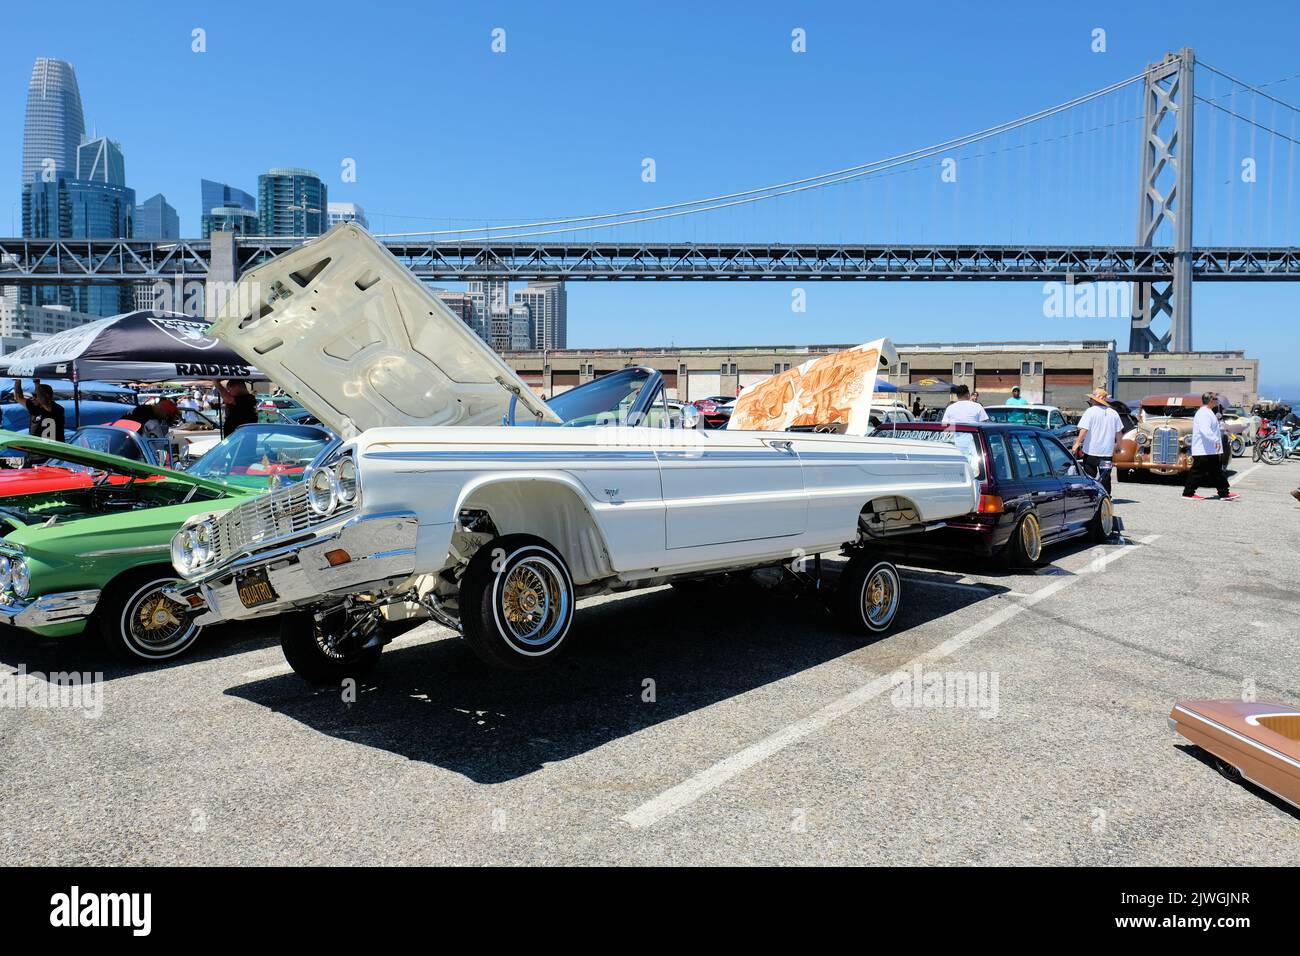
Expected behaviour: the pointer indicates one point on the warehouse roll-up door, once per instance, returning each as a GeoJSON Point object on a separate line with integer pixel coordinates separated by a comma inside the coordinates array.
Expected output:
{"type": "Point", "coordinates": [702, 385]}
{"type": "Point", "coordinates": [995, 387]}
{"type": "Point", "coordinates": [1068, 388]}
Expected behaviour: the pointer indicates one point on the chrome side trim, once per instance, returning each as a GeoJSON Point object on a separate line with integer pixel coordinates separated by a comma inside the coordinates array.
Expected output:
{"type": "Point", "coordinates": [1242, 737]}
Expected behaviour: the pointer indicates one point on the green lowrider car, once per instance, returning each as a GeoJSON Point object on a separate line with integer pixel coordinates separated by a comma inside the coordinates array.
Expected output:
{"type": "Point", "coordinates": [97, 558]}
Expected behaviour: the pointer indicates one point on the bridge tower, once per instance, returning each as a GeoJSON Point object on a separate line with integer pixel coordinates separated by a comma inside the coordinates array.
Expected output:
{"type": "Point", "coordinates": [1169, 105]}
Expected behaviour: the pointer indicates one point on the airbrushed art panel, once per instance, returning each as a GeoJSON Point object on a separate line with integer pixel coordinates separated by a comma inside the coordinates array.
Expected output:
{"type": "Point", "coordinates": [835, 388]}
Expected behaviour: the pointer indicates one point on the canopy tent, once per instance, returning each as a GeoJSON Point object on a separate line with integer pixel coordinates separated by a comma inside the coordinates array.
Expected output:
{"type": "Point", "coordinates": [145, 346]}
{"type": "Point", "coordinates": [883, 386]}
{"type": "Point", "coordinates": [95, 391]}
{"type": "Point", "coordinates": [927, 386]}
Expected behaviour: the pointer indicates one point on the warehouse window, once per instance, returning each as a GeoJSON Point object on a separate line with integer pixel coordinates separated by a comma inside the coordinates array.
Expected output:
{"type": "Point", "coordinates": [904, 368]}
{"type": "Point", "coordinates": [1137, 371]}
{"type": "Point", "coordinates": [1227, 371]}
{"type": "Point", "coordinates": [1025, 368]}
{"type": "Point", "coordinates": [1038, 368]}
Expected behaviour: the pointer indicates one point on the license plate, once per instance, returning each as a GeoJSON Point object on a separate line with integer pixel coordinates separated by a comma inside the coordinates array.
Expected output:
{"type": "Point", "coordinates": [254, 587]}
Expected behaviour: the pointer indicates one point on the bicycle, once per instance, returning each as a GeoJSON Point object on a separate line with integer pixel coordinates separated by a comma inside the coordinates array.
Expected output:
{"type": "Point", "coordinates": [1279, 446]}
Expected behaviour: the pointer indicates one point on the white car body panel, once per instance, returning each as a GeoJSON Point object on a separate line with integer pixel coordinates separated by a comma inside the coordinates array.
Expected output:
{"type": "Point", "coordinates": [347, 330]}
{"type": "Point", "coordinates": [620, 504]}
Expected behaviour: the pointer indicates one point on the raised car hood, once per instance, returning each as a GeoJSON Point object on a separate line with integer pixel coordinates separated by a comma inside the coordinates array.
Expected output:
{"type": "Point", "coordinates": [47, 448]}
{"type": "Point", "coordinates": [347, 330]}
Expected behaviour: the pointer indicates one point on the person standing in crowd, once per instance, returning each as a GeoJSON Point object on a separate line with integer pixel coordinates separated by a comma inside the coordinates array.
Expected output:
{"type": "Point", "coordinates": [963, 410]}
{"type": "Point", "coordinates": [976, 398]}
{"type": "Point", "coordinates": [240, 405]}
{"type": "Point", "coordinates": [1099, 431]}
{"type": "Point", "coordinates": [1207, 446]}
{"type": "Point", "coordinates": [155, 419]}
{"type": "Point", "coordinates": [1015, 398]}
{"type": "Point", "coordinates": [916, 408]}
{"type": "Point", "coordinates": [45, 415]}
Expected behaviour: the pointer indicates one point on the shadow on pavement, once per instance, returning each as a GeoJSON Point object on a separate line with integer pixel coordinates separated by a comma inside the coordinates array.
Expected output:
{"type": "Point", "coordinates": [1208, 759]}
{"type": "Point", "coordinates": [434, 702]}
{"type": "Point", "coordinates": [84, 652]}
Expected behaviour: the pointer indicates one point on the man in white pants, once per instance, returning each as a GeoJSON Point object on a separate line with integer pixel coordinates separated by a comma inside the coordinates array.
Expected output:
{"type": "Point", "coordinates": [1099, 431]}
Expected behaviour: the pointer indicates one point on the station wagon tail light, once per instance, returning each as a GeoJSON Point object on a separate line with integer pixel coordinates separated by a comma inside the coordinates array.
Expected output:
{"type": "Point", "coordinates": [21, 577]}
{"type": "Point", "coordinates": [990, 505]}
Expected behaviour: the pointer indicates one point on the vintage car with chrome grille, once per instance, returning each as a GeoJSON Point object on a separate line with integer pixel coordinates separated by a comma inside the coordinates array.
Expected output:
{"type": "Point", "coordinates": [1161, 442]}
{"type": "Point", "coordinates": [459, 495]}
{"type": "Point", "coordinates": [96, 555]}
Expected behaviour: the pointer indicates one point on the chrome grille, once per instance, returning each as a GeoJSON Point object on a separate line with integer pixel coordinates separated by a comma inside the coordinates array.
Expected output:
{"type": "Point", "coordinates": [1164, 446]}
{"type": "Point", "coordinates": [278, 514]}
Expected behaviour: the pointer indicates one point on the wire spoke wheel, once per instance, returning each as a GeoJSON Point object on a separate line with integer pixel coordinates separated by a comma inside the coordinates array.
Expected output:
{"type": "Point", "coordinates": [1031, 537]}
{"type": "Point", "coordinates": [533, 600]}
{"type": "Point", "coordinates": [154, 627]}
{"type": "Point", "coordinates": [1107, 515]}
{"type": "Point", "coordinates": [880, 596]}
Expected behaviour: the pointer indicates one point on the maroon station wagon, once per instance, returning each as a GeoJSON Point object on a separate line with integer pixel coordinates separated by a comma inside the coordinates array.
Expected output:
{"type": "Point", "coordinates": [1032, 493]}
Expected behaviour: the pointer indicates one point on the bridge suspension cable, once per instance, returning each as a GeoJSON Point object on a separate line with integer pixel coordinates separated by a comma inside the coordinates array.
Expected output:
{"type": "Point", "coordinates": [758, 194]}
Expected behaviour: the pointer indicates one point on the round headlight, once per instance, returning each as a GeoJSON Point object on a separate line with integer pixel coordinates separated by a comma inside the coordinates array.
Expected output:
{"type": "Point", "coordinates": [322, 491]}
{"type": "Point", "coordinates": [346, 474]}
{"type": "Point", "coordinates": [1143, 438]}
{"type": "Point", "coordinates": [205, 536]}
{"type": "Point", "coordinates": [183, 551]}
{"type": "Point", "coordinates": [22, 577]}
{"type": "Point", "coordinates": [6, 572]}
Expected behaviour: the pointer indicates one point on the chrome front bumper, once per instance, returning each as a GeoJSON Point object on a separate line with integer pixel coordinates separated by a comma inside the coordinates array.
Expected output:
{"type": "Point", "coordinates": [378, 550]}
{"type": "Point", "coordinates": [66, 607]}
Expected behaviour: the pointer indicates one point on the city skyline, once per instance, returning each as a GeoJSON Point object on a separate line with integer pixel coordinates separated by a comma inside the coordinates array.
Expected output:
{"type": "Point", "coordinates": [813, 116]}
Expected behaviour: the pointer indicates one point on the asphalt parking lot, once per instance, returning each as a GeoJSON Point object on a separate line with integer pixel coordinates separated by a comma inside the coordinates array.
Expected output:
{"type": "Point", "coordinates": [765, 736]}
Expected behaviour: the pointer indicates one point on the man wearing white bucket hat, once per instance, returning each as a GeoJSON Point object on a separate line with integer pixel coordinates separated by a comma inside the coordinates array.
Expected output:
{"type": "Point", "coordinates": [1099, 431]}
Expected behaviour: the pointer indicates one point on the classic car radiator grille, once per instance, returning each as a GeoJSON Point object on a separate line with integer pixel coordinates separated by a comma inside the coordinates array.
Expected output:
{"type": "Point", "coordinates": [278, 514]}
{"type": "Point", "coordinates": [1164, 446]}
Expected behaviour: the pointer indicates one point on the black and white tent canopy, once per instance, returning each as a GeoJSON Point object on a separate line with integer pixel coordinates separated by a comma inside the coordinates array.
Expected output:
{"type": "Point", "coordinates": [146, 346]}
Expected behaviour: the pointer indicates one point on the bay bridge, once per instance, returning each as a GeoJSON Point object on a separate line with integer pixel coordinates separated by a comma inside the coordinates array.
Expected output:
{"type": "Point", "coordinates": [1163, 262]}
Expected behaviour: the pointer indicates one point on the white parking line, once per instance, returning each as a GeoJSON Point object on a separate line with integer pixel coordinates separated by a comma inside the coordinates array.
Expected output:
{"type": "Point", "coordinates": [690, 790]}
{"type": "Point", "coordinates": [980, 588]}
{"type": "Point", "coordinates": [1246, 474]}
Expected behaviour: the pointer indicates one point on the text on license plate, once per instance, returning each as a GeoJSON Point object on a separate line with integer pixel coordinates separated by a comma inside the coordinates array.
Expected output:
{"type": "Point", "coordinates": [254, 587]}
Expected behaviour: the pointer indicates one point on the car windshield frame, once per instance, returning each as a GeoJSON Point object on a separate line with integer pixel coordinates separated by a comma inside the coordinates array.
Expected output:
{"type": "Point", "coordinates": [241, 449]}
{"type": "Point", "coordinates": [613, 399]}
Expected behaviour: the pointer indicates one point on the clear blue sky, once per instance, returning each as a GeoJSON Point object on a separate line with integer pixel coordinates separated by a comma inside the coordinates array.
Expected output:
{"type": "Point", "coordinates": [444, 130]}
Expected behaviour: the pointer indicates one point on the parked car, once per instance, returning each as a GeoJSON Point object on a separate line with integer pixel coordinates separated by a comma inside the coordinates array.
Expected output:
{"type": "Point", "coordinates": [1048, 417]}
{"type": "Point", "coordinates": [1032, 494]}
{"type": "Point", "coordinates": [495, 530]}
{"type": "Point", "coordinates": [16, 417]}
{"type": "Point", "coordinates": [97, 555]}
{"type": "Point", "coordinates": [1161, 442]}
{"type": "Point", "coordinates": [715, 411]}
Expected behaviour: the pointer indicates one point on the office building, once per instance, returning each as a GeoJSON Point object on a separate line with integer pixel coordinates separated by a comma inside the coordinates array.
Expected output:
{"type": "Point", "coordinates": [28, 322]}
{"type": "Point", "coordinates": [231, 219]}
{"type": "Point", "coordinates": [100, 160]}
{"type": "Point", "coordinates": [292, 202]}
{"type": "Point", "coordinates": [213, 194]}
{"type": "Point", "coordinates": [490, 297]}
{"type": "Point", "coordinates": [155, 218]}
{"type": "Point", "coordinates": [347, 212]}
{"type": "Point", "coordinates": [54, 124]}
{"type": "Point", "coordinates": [548, 313]}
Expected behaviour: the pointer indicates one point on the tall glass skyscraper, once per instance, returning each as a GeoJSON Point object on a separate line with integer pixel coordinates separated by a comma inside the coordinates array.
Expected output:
{"type": "Point", "coordinates": [156, 218]}
{"type": "Point", "coordinates": [100, 160]}
{"type": "Point", "coordinates": [58, 203]}
{"type": "Point", "coordinates": [55, 124]}
{"type": "Point", "coordinates": [214, 194]}
{"type": "Point", "coordinates": [292, 202]}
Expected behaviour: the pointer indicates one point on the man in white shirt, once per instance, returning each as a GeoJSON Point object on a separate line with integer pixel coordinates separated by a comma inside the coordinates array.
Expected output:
{"type": "Point", "coordinates": [1099, 431]}
{"type": "Point", "coordinates": [963, 411]}
{"type": "Point", "coordinates": [1207, 446]}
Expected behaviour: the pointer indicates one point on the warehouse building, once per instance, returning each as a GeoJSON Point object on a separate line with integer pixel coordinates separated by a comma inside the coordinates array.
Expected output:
{"type": "Point", "coordinates": [1055, 373]}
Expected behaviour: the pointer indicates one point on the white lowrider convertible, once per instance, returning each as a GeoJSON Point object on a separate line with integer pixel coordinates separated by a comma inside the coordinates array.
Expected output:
{"type": "Point", "coordinates": [497, 529]}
